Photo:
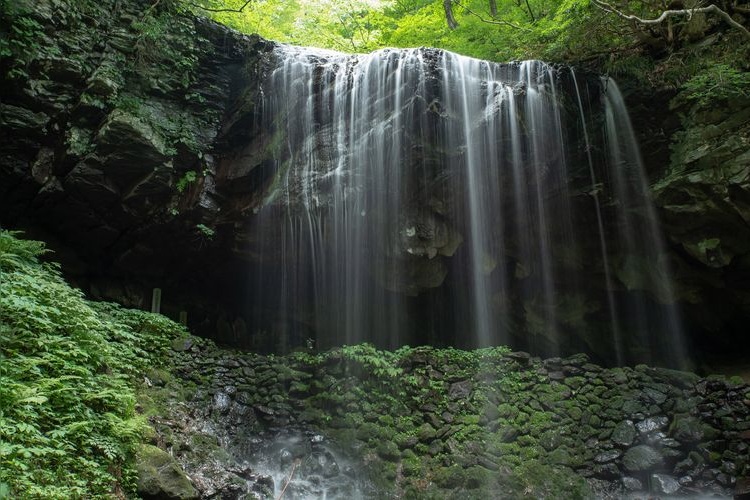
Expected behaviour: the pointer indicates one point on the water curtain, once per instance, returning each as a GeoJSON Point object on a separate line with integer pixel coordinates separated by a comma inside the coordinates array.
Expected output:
{"type": "Point", "coordinates": [420, 196]}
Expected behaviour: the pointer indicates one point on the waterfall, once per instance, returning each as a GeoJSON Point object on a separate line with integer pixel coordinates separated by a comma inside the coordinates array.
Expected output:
{"type": "Point", "coordinates": [421, 196]}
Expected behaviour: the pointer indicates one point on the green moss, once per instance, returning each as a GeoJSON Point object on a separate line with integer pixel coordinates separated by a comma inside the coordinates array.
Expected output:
{"type": "Point", "coordinates": [387, 450]}
{"type": "Point", "coordinates": [426, 433]}
{"type": "Point", "coordinates": [469, 420]}
{"type": "Point", "coordinates": [508, 411]}
{"type": "Point", "coordinates": [383, 475]}
{"type": "Point", "coordinates": [537, 480]}
{"type": "Point", "coordinates": [450, 478]}
{"type": "Point", "coordinates": [159, 475]}
{"type": "Point", "coordinates": [369, 432]}
{"type": "Point", "coordinates": [411, 466]}
{"type": "Point", "coordinates": [386, 420]}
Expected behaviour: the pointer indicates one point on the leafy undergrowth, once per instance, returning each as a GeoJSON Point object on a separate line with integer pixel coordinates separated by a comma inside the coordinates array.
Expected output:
{"type": "Point", "coordinates": [68, 426]}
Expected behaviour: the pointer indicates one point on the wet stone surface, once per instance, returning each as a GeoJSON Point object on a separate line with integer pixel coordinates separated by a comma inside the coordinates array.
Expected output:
{"type": "Point", "coordinates": [360, 423]}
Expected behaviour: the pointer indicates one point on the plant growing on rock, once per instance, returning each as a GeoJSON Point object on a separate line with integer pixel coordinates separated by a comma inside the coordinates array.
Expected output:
{"type": "Point", "coordinates": [188, 178]}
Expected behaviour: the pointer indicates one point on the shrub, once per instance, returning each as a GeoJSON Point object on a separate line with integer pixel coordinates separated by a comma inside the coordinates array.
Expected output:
{"type": "Point", "coordinates": [68, 427]}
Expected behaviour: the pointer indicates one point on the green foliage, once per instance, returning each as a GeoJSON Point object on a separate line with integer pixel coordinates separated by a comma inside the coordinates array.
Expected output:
{"type": "Point", "coordinates": [179, 55]}
{"type": "Point", "coordinates": [68, 427]}
{"type": "Point", "coordinates": [21, 38]}
{"type": "Point", "coordinates": [79, 142]}
{"type": "Point", "coordinates": [142, 339]}
{"type": "Point", "coordinates": [717, 82]}
{"type": "Point", "coordinates": [205, 231]}
{"type": "Point", "coordinates": [569, 31]}
{"type": "Point", "coordinates": [129, 103]}
{"type": "Point", "coordinates": [351, 25]}
{"type": "Point", "coordinates": [556, 29]}
{"type": "Point", "coordinates": [379, 363]}
{"type": "Point", "coordinates": [16, 253]}
{"type": "Point", "coordinates": [636, 66]}
{"type": "Point", "coordinates": [306, 358]}
{"type": "Point", "coordinates": [188, 178]}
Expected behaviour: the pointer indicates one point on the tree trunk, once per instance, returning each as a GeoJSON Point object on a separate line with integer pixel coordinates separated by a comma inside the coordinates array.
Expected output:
{"type": "Point", "coordinates": [448, 6]}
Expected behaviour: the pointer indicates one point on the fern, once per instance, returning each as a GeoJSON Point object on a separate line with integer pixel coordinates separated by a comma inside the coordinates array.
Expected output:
{"type": "Point", "coordinates": [68, 427]}
{"type": "Point", "coordinates": [15, 253]}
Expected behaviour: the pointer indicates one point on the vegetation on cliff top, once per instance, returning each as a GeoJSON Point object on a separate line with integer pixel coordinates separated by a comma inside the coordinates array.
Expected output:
{"type": "Point", "coordinates": [694, 47]}
{"type": "Point", "coordinates": [610, 35]}
{"type": "Point", "coordinates": [68, 425]}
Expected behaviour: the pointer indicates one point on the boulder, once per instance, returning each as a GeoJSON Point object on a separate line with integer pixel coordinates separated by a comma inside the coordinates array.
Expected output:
{"type": "Point", "coordinates": [664, 484]}
{"type": "Point", "coordinates": [160, 477]}
{"type": "Point", "coordinates": [687, 429]}
{"type": "Point", "coordinates": [624, 434]}
{"type": "Point", "coordinates": [641, 458]}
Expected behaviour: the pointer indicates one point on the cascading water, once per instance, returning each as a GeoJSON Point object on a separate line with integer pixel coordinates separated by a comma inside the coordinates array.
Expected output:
{"type": "Point", "coordinates": [421, 196]}
{"type": "Point", "coordinates": [643, 242]}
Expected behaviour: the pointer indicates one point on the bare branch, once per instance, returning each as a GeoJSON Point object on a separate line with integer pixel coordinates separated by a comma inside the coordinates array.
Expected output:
{"type": "Point", "coordinates": [675, 13]}
{"type": "Point", "coordinates": [223, 10]}
{"type": "Point", "coordinates": [289, 479]}
{"type": "Point", "coordinates": [494, 20]}
{"type": "Point", "coordinates": [531, 12]}
{"type": "Point", "coordinates": [150, 9]}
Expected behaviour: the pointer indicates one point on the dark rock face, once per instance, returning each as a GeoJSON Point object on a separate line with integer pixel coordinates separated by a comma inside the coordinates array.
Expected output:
{"type": "Point", "coordinates": [698, 157]}
{"type": "Point", "coordinates": [141, 167]}
{"type": "Point", "coordinates": [705, 200]}
{"type": "Point", "coordinates": [105, 142]}
{"type": "Point", "coordinates": [641, 458]}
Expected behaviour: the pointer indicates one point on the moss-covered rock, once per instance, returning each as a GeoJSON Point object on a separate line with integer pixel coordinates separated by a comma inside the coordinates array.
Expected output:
{"type": "Point", "coordinates": [624, 433]}
{"type": "Point", "coordinates": [641, 458]}
{"type": "Point", "coordinates": [160, 476]}
{"type": "Point", "coordinates": [412, 437]}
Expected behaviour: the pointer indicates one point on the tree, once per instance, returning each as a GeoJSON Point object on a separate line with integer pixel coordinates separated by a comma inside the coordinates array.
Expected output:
{"type": "Point", "coordinates": [221, 5]}
{"type": "Point", "coordinates": [448, 6]}
{"type": "Point", "coordinates": [688, 13]}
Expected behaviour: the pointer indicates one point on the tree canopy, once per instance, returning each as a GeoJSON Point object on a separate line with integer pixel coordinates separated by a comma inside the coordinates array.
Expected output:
{"type": "Point", "coordinates": [512, 29]}
{"type": "Point", "coordinates": [633, 37]}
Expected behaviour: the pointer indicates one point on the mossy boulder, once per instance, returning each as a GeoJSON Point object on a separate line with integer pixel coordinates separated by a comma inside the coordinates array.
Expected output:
{"type": "Point", "coordinates": [687, 428]}
{"type": "Point", "coordinates": [624, 433]}
{"type": "Point", "coordinates": [426, 433]}
{"type": "Point", "coordinates": [641, 458]}
{"type": "Point", "coordinates": [160, 476]}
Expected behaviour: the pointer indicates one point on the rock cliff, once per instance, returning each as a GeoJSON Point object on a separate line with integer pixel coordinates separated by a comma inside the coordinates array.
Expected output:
{"type": "Point", "coordinates": [113, 122]}
{"type": "Point", "coordinates": [125, 141]}
{"type": "Point", "coordinates": [705, 204]}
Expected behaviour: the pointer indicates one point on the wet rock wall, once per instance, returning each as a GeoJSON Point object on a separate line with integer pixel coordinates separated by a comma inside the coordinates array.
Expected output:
{"type": "Point", "coordinates": [425, 422]}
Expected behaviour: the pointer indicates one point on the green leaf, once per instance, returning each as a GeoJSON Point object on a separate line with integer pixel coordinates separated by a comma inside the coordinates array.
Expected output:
{"type": "Point", "coordinates": [34, 400]}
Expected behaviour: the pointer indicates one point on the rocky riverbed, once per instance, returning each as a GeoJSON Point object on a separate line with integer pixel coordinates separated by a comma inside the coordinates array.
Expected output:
{"type": "Point", "coordinates": [421, 422]}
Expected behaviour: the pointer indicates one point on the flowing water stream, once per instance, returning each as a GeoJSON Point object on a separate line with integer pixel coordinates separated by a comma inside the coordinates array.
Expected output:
{"type": "Point", "coordinates": [420, 196]}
